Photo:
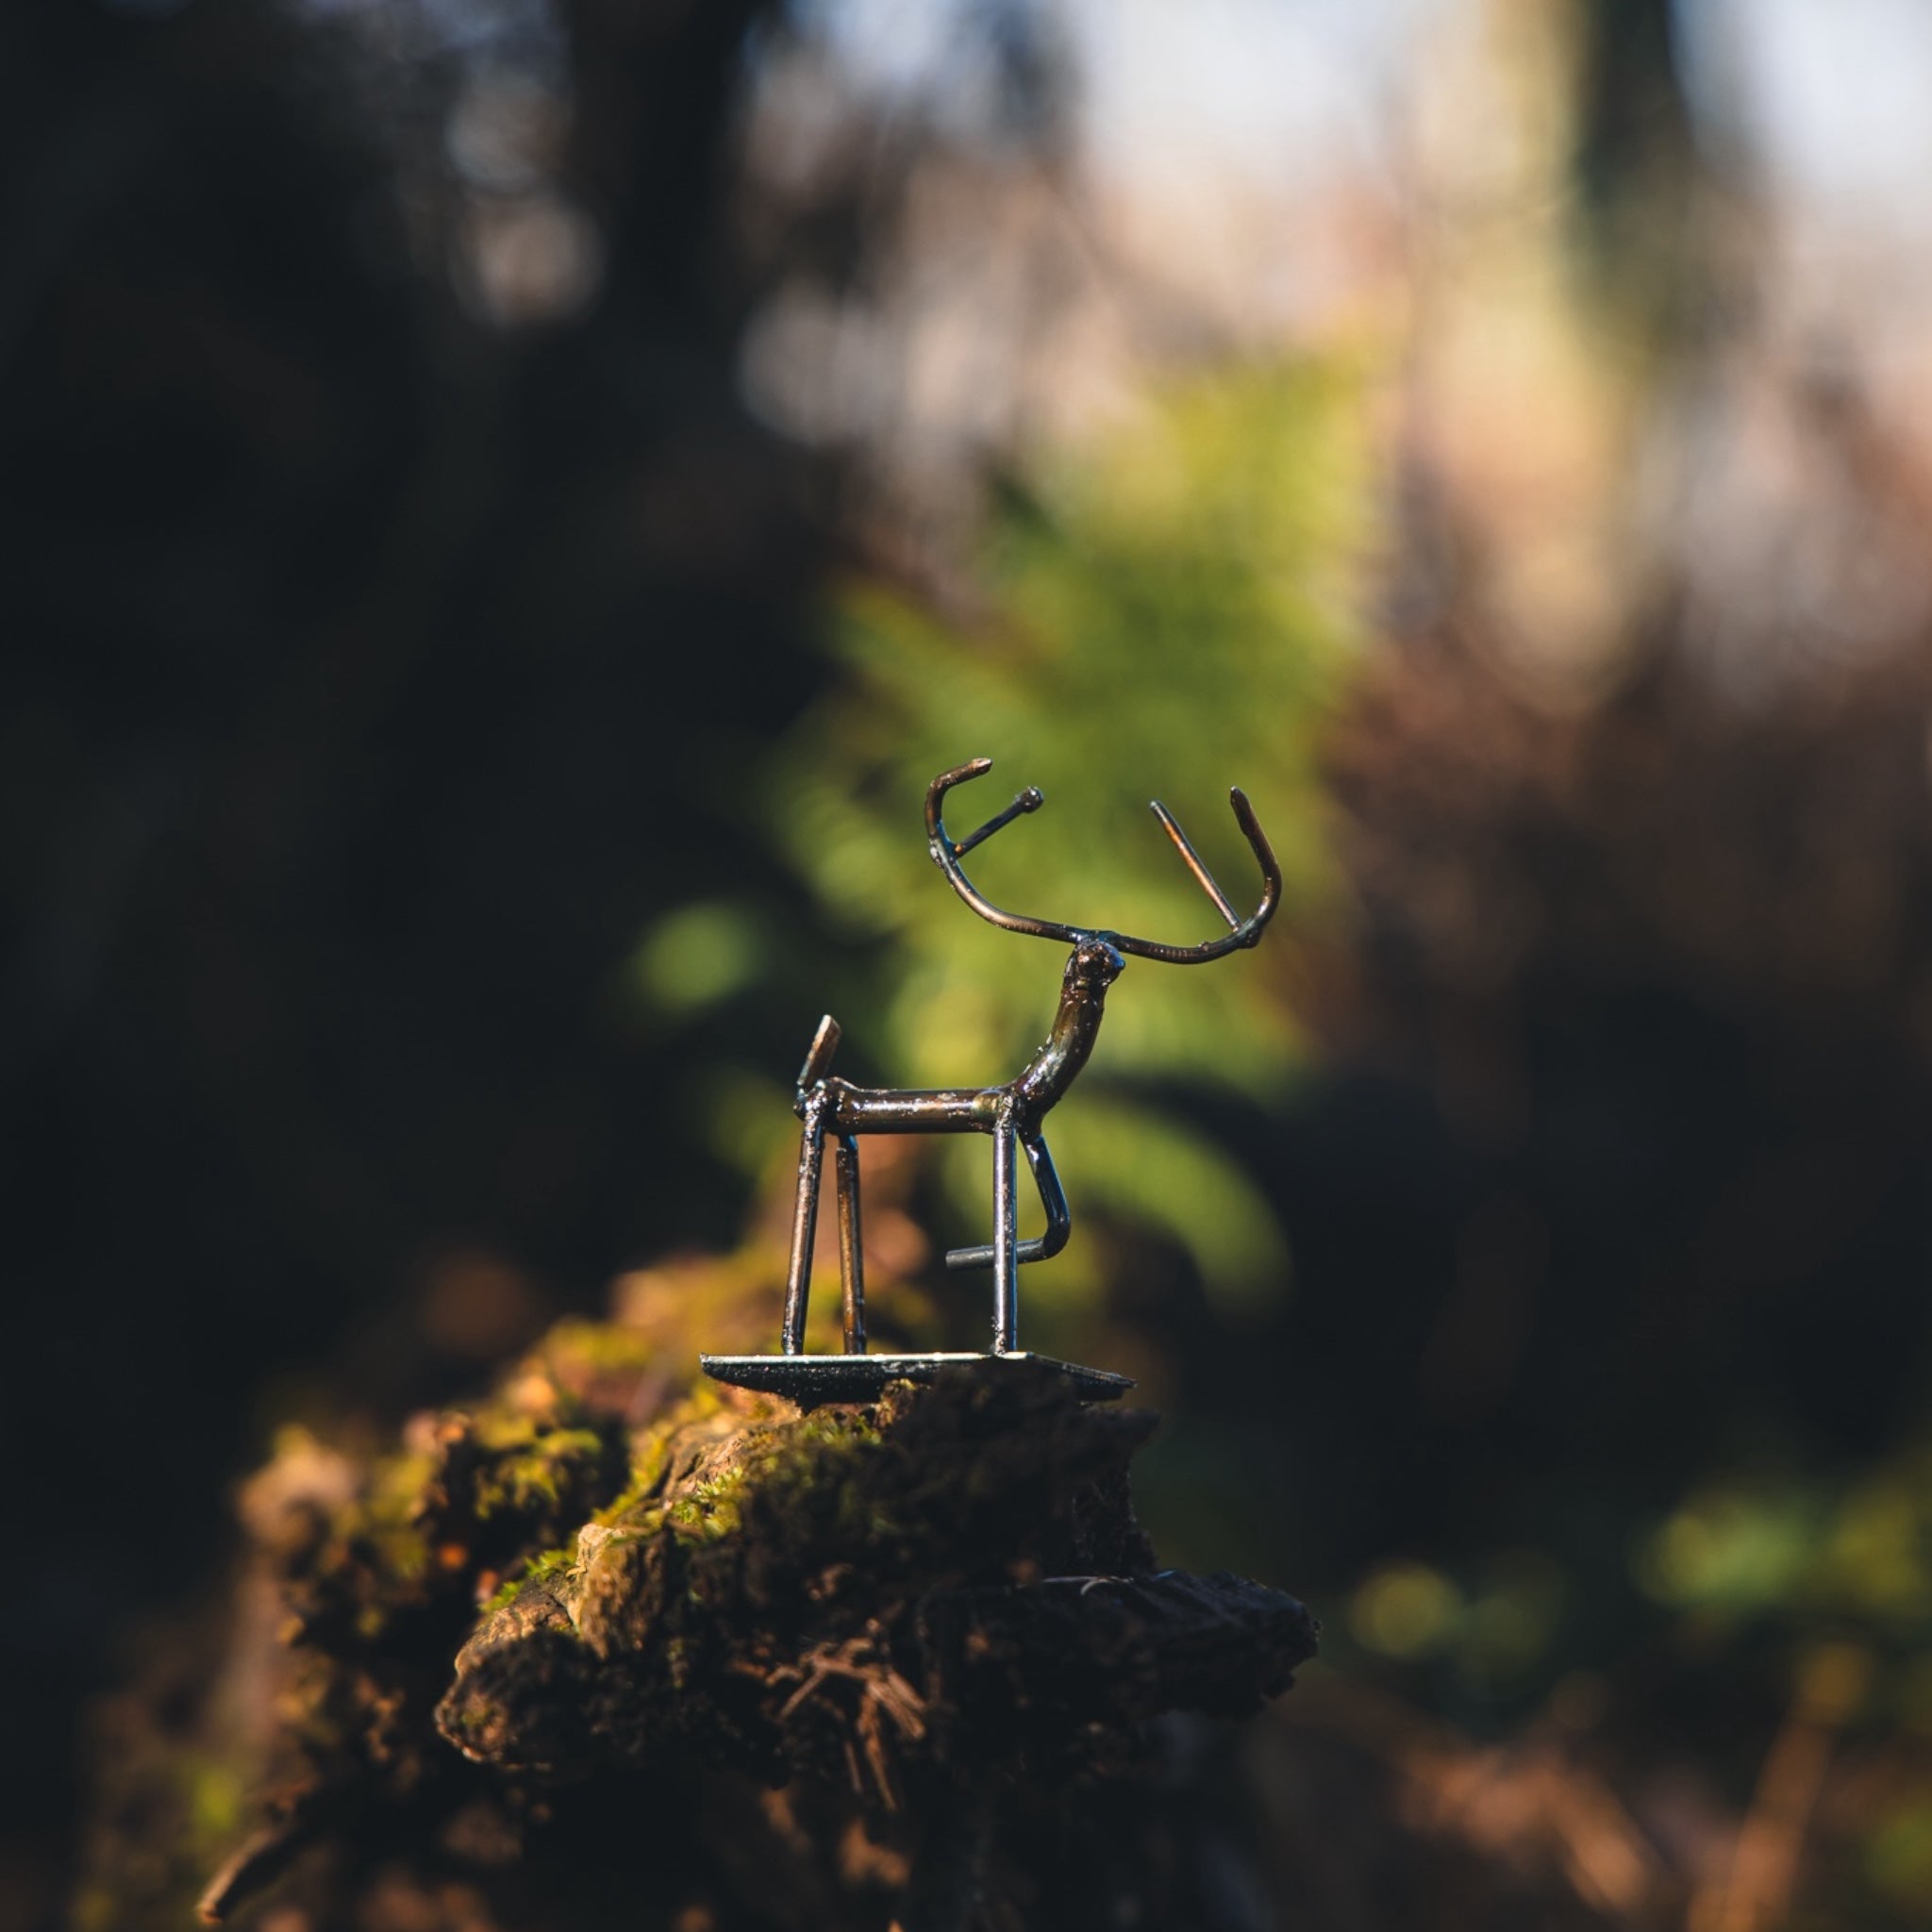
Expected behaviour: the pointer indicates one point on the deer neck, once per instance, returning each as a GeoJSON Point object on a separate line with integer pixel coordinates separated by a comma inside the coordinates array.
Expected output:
{"type": "Point", "coordinates": [1076, 1026]}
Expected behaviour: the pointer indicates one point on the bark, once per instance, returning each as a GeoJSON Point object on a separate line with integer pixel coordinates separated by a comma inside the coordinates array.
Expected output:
{"type": "Point", "coordinates": [738, 1665]}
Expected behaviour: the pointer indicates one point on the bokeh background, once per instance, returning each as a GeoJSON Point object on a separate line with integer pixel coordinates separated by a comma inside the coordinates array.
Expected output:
{"type": "Point", "coordinates": [508, 501]}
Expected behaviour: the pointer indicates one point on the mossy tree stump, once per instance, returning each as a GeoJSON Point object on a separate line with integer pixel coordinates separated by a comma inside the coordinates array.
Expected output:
{"type": "Point", "coordinates": [742, 1666]}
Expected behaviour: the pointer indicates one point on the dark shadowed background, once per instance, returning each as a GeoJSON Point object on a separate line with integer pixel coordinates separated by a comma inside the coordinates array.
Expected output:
{"type": "Point", "coordinates": [507, 502]}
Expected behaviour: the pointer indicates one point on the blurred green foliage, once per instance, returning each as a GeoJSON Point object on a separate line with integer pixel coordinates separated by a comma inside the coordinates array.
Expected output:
{"type": "Point", "coordinates": [1834, 1580]}
{"type": "Point", "coordinates": [1167, 611]}
{"type": "Point", "coordinates": [1803, 1554]}
{"type": "Point", "coordinates": [1498, 1634]}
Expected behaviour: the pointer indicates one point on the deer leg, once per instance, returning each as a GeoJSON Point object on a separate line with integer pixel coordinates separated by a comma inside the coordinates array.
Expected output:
{"type": "Point", "coordinates": [1053, 1197]}
{"type": "Point", "coordinates": [851, 1253]}
{"type": "Point", "coordinates": [804, 1225]}
{"type": "Point", "coordinates": [1006, 1229]}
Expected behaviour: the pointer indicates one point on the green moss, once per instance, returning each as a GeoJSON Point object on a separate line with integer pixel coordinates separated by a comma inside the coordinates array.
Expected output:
{"type": "Point", "coordinates": [384, 1519]}
{"type": "Point", "coordinates": [396, 1484]}
{"type": "Point", "coordinates": [540, 1568]}
{"type": "Point", "coordinates": [812, 1456]}
{"type": "Point", "coordinates": [530, 1466]}
{"type": "Point", "coordinates": [651, 1455]}
{"type": "Point", "coordinates": [709, 1508]}
{"type": "Point", "coordinates": [650, 1464]}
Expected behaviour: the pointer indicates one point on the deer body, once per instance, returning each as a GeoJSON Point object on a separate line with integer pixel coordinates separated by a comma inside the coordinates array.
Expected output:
{"type": "Point", "coordinates": [1025, 1099]}
{"type": "Point", "coordinates": [1010, 1114]}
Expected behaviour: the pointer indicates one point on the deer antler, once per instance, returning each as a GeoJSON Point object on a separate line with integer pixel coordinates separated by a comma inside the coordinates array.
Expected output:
{"type": "Point", "coordinates": [1242, 932]}
{"type": "Point", "coordinates": [946, 854]}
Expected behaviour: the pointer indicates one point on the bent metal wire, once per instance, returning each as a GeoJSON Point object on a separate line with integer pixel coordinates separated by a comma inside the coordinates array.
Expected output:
{"type": "Point", "coordinates": [1011, 1114]}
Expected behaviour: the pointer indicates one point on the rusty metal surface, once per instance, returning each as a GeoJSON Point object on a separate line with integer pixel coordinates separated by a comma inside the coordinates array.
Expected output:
{"type": "Point", "coordinates": [1010, 1113]}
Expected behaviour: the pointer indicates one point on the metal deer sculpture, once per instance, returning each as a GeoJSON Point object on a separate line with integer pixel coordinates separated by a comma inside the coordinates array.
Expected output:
{"type": "Point", "coordinates": [1011, 1114]}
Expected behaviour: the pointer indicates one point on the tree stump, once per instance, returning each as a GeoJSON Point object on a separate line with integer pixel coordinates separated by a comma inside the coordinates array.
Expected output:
{"type": "Point", "coordinates": [739, 1665]}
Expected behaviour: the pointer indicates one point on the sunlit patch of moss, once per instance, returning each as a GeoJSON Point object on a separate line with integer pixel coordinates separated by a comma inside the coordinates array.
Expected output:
{"type": "Point", "coordinates": [650, 1464]}
{"type": "Point", "coordinates": [541, 1568]}
{"type": "Point", "coordinates": [708, 1511]}
{"type": "Point", "coordinates": [386, 1517]}
{"type": "Point", "coordinates": [651, 1452]}
{"type": "Point", "coordinates": [378, 1552]}
{"type": "Point", "coordinates": [530, 1463]}
{"type": "Point", "coordinates": [812, 1456]}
